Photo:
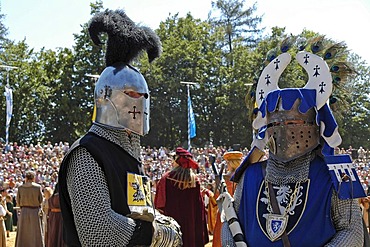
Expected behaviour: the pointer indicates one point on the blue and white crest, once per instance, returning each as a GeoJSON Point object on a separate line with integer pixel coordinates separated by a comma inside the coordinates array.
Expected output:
{"type": "Point", "coordinates": [276, 225]}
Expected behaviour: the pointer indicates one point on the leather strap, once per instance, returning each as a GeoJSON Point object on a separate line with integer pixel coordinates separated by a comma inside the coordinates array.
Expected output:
{"type": "Point", "coordinates": [275, 209]}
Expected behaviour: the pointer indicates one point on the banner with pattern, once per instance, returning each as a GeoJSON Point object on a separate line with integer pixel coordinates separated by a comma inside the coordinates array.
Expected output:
{"type": "Point", "coordinates": [9, 110]}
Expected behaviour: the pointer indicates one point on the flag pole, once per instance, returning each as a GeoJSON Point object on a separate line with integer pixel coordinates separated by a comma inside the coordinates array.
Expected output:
{"type": "Point", "coordinates": [189, 110]}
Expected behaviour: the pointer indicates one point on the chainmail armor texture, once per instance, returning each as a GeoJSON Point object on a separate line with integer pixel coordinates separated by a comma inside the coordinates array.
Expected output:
{"type": "Point", "coordinates": [294, 171]}
{"type": "Point", "coordinates": [129, 141]}
{"type": "Point", "coordinates": [96, 223]}
{"type": "Point", "coordinates": [226, 236]}
{"type": "Point", "coordinates": [346, 214]}
{"type": "Point", "coordinates": [347, 219]}
{"type": "Point", "coordinates": [238, 193]}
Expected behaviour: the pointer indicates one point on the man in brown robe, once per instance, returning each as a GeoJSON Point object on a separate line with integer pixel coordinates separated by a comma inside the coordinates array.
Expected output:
{"type": "Point", "coordinates": [29, 228]}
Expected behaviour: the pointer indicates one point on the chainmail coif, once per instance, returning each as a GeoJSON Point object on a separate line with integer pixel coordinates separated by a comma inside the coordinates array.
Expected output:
{"type": "Point", "coordinates": [129, 141]}
{"type": "Point", "coordinates": [294, 171]}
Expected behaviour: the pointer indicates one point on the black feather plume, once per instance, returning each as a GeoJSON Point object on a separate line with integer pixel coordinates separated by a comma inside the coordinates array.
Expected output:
{"type": "Point", "coordinates": [126, 40]}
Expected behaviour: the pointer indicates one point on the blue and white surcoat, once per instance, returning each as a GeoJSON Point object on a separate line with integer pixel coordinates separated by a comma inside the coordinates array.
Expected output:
{"type": "Point", "coordinates": [310, 207]}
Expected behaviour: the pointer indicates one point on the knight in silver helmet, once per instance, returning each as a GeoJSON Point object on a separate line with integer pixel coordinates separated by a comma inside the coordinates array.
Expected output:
{"type": "Point", "coordinates": [302, 195]}
{"type": "Point", "coordinates": [104, 193]}
{"type": "Point", "coordinates": [122, 99]}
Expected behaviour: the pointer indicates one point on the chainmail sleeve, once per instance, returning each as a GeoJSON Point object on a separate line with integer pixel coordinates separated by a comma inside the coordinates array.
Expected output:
{"type": "Point", "coordinates": [347, 221]}
{"type": "Point", "coordinates": [96, 223]}
{"type": "Point", "coordinates": [226, 235]}
{"type": "Point", "coordinates": [238, 193]}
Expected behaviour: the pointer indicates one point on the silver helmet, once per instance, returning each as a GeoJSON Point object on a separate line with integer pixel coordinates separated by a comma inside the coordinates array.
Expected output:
{"type": "Point", "coordinates": [122, 99]}
{"type": "Point", "coordinates": [121, 93]}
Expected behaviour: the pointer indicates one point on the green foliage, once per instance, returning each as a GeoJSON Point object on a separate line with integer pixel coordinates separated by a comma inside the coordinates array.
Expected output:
{"type": "Point", "coordinates": [53, 94]}
{"type": "Point", "coordinates": [236, 22]}
{"type": "Point", "coordinates": [189, 55]}
{"type": "Point", "coordinates": [28, 91]}
{"type": "Point", "coordinates": [56, 113]}
{"type": "Point", "coordinates": [3, 31]}
{"type": "Point", "coordinates": [354, 122]}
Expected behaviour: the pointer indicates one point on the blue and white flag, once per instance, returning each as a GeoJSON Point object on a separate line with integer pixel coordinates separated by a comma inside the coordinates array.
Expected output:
{"type": "Point", "coordinates": [191, 120]}
{"type": "Point", "coordinates": [9, 104]}
{"type": "Point", "coordinates": [9, 111]}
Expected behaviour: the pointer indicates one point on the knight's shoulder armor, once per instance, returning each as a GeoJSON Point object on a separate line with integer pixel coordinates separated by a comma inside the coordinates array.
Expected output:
{"type": "Point", "coordinates": [344, 176]}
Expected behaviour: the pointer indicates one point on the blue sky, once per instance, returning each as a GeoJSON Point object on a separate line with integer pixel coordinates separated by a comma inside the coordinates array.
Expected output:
{"type": "Point", "coordinates": [52, 23]}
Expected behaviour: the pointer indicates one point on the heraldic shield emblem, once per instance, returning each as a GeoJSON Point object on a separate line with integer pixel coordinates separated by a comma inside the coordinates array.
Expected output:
{"type": "Point", "coordinates": [291, 199]}
{"type": "Point", "coordinates": [276, 225]}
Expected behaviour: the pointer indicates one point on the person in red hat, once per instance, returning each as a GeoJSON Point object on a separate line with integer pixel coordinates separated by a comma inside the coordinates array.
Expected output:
{"type": "Point", "coordinates": [179, 196]}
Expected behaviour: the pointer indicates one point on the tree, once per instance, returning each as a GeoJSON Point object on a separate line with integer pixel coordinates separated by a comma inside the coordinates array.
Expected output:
{"type": "Point", "coordinates": [88, 59]}
{"type": "Point", "coordinates": [355, 120]}
{"type": "Point", "coordinates": [57, 113]}
{"type": "Point", "coordinates": [53, 96]}
{"type": "Point", "coordinates": [3, 31]}
{"type": "Point", "coordinates": [237, 33]}
{"type": "Point", "coordinates": [237, 23]}
{"type": "Point", "coordinates": [190, 54]}
{"type": "Point", "coordinates": [29, 91]}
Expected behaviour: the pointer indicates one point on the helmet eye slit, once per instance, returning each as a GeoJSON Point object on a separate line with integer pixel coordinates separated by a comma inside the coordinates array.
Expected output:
{"type": "Point", "coordinates": [289, 122]}
{"type": "Point", "coordinates": [293, 122]}
{"type": "Point", "coordinates": [136, 95]}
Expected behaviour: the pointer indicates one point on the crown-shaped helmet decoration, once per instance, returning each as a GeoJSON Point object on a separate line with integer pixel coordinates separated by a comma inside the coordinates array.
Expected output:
{"type": "Point", "coordinates": [326, 69]}
{"type": "Point", "coordinates": [334, 55]}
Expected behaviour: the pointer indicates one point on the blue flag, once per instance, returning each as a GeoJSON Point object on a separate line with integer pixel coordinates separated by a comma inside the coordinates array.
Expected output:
{"type": "Point", "coordinates": [191, 120]}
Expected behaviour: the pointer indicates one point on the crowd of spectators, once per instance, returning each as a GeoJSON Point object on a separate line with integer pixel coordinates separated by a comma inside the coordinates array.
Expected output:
{"type": "Point", "coordinates": [45, 159]}
{"type": "Point", "coordinates": [362, 163]}
{"type": "Point", "coordinates": [157, 161]}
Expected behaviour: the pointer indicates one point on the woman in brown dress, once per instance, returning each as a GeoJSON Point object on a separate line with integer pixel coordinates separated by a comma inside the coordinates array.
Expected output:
{"type": "Point", "coordinates": [45, 210]}
{"type": "Point", "coordinates": [55, 223]}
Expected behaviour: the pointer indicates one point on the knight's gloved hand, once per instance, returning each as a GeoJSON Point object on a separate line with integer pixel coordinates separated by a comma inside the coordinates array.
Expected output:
{"type": "Point", "coordinates": [145, 216]}
{"type": "Point", "coordinates": [166, 231]}
{"type": "Point", "coordinates": [225, 205]}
